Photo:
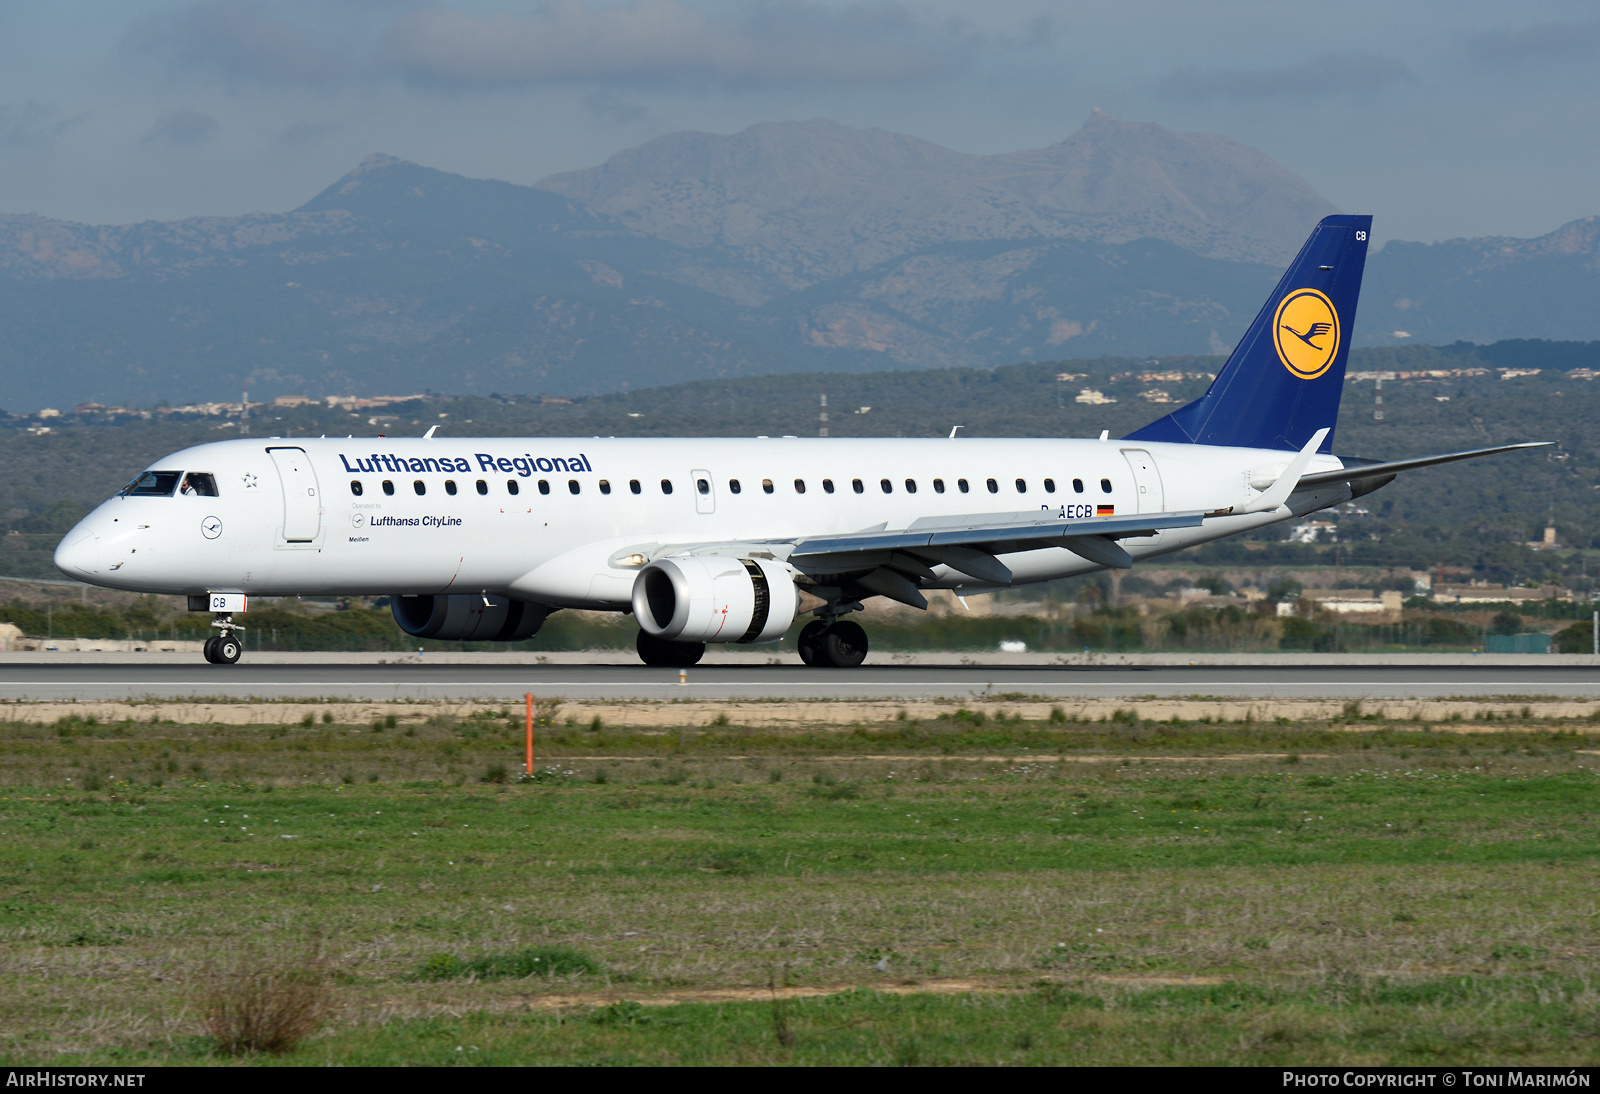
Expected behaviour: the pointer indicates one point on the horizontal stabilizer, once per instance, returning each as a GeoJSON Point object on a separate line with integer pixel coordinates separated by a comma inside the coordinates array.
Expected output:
{"type": "Point", "coordinates": [1394, 467]}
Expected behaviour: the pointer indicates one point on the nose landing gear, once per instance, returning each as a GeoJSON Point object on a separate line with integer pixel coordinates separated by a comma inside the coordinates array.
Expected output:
{"type": "Point", "coordinates": [224, 648]}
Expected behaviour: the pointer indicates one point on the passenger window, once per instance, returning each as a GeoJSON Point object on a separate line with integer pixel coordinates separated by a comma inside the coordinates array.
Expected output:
{"type": "Point", "coordinates": [1022, 486]}
{"type": "Point", "coordinates": [572, 486]}
{"type": "Point", "coordinates": [1049, 486]}
{"type": "Point", "coordinates": [799, 486]}
{"type": "Point", "coordinates": [766, 486]}
{"type": "Point", "coordinates": [420, 487]}
{"type": "Point", "coordinates": [450, 487]}
{"type": "Point", "coordinates": [633, 486]}
{"type": "Point", "coordinates": [198, 484]}
{"type": "Point", "coordinates": [605, 486]}
{"type": "Point", "coordinates": [152, 484]}
{"type": "Point", "coordinates": [961, 485]}
{"type": "Point", "coordinates": [666, 486]}
{"type": "Point", "coordinates": [911, 486]}
{"type": "Point", "coordinates": [512, 487]}
{"type": "Point", "coordinates": [855, 484]}
{"type": "Point", "coordinates": [388, 487]}
{"type": "Point", "coordinates": [483, 487]}
{"type": "Point", "coordinates": [827, 486]}
{"type": "Point", "coordinates": [938, 486]}
{"type": "Point", "coordinates": [886, 486]}
{"type": "Point", "coordinates": [994, 487]}
{"type": "Point", "coordinates": [1077, 486]}
{"type": "Point", "coordinates": [1105, 486]}
{"type": "Point", "coordinates": [733, 486]}
{"type": "Point", "coordinates": [703, 485]}
{"type": "Point", "coordinates": [355, 488]}
{"type": "Point", "coordinates": [544, 487]}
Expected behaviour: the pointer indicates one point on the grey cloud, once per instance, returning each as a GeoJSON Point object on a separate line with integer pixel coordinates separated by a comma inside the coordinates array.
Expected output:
{"type": "Point", "coordinates": [615, 110]}
{"type": "Point", "coordinates": [304, 133]}
{"type": "Point", "coordinates": [32, 124]}
{"type": "Point", "coordinates": [1040, 31]}
{"type": "Point", "coordinates": [182, 128]}
{"type": "Point", "coordinates": [665, 41]}
{"type": "Point", "coordinates": [234, 39]}
{"type": "Point", "coordinates": [1564, 41]}
{"type": "Point", "coordinates": [1328, 74]}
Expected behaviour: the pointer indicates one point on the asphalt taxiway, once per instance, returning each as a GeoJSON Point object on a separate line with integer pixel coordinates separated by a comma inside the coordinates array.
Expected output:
{"type": "Point", "coordinates": [132, 678]}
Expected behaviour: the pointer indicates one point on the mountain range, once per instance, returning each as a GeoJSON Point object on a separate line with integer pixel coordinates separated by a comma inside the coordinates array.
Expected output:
{"type": "Point", "coordinates": [788, 247]}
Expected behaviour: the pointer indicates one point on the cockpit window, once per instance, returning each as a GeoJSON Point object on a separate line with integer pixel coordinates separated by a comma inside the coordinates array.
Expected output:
{"type": "Point", "coordinates": [152, 484]}
{"type": "Point", "coordinates": [199, 484]}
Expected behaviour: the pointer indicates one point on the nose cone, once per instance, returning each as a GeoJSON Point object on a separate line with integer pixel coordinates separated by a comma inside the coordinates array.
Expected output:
{"type": "Point", "coordinates": [78, 554]}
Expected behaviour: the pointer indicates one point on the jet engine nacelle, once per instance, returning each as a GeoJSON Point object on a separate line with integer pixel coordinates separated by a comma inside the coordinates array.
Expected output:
{"type": "Point", "coordinates": [702, 598]}
{"type": "Point", "coordinates": [468, 616]}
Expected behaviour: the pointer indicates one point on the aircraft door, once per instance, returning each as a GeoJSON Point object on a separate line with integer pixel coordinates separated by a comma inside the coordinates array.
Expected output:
{"type": "Point", "coordinates": [1146, 480]}
{"type": "Point", "coordinates": [705, 491]}
{"type": "Point", "coordinates": [302, 507]}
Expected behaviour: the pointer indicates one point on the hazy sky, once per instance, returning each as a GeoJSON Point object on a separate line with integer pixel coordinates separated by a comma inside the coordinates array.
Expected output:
{"type": "Point", "coordinates": [1443, 119]}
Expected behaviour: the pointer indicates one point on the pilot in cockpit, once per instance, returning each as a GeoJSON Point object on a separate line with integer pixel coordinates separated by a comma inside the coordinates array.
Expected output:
{"type": "Point", "coordinates": [198, 484]}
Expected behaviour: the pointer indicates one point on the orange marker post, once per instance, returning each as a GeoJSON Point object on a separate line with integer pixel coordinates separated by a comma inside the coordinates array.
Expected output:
{"type": "Point", "coordinates": [530, 734]}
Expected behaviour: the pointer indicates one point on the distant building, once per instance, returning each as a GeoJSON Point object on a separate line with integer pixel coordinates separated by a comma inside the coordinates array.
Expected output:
{"type": "Point", "coordinates": [1384, 606]}
{"type": "Point", "coordinates": [1312, 530]}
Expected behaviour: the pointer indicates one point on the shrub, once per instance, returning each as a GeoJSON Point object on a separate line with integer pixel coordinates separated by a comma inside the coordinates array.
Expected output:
{"type": "Point", "coordinates": [255, 1005]}
{"type": "Point", "coordinates": [519, 964]}
{"type": "Point", "coordinates": [1578, 638]}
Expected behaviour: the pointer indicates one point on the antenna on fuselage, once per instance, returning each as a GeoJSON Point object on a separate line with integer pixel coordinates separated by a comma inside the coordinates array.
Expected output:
{"type": "Point", "coordinates": [953, 431]}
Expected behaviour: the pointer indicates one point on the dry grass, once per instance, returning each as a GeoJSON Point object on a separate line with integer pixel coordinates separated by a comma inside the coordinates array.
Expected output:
{"type": "Point", "coordinates": [255, 1003]}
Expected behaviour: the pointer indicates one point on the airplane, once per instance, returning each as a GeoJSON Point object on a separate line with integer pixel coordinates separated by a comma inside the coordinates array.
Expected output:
{"type": "Point", "coordinates": [731, 540]}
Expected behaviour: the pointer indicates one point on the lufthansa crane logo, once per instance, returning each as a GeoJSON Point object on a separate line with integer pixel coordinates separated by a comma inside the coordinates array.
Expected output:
{"type": "Point", "coordinates": [1306, 332]}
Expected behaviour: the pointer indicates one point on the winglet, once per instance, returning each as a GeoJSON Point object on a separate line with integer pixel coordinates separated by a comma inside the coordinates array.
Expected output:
{"type": "Point", "coordinates": [428, 436]}
{"type": "Point", "coordinates": [1276, 494]}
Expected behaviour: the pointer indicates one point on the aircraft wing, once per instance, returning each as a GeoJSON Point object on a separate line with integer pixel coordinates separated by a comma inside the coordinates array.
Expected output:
{"type": "Point", "coordinates": [969, 543]}
{"type": "Point", "coordinates": [1390, 468]}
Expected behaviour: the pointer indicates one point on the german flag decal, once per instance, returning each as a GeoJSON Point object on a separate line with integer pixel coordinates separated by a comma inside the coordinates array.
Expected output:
{"type": "Point", "coordinates": [1105, 510]}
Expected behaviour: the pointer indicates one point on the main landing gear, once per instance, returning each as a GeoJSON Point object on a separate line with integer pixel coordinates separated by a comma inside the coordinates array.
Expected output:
{"type": "Point", "coordinates": [840, 644]}
{"type": "Point", "coordinates": [224, 648]}
{"type": "Point", "coordinates": [677, 655]}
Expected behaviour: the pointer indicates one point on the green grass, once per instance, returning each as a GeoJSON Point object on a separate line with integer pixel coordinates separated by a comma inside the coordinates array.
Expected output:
{"type": "Point", "coordinates": [1417, 900]}
{"type": "Point", "coordinates": [1331, 1022]}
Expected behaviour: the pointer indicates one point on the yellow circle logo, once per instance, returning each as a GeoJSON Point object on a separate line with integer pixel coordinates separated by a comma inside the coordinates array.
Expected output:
{"type": "Point", "coordinates": [1306, 332]}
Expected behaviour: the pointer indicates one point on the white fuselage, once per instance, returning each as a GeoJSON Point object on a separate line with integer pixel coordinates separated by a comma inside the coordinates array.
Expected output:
{"type": "Point", "coordinates": [290, 522]}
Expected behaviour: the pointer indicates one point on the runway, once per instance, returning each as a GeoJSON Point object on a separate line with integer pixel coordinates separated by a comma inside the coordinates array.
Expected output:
{"type": "Point", "coordinates": [133, 680]}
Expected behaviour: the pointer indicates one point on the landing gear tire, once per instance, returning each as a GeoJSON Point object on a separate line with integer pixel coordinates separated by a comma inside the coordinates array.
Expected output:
{"type": "Point", "coordinates": [222, 649]}
{"type": "Point", "coordinates": [659, 651]}
{"type": "Point", "coordinates": [843, 645]}
{"type": "Point", "coordinates": [809, 641]}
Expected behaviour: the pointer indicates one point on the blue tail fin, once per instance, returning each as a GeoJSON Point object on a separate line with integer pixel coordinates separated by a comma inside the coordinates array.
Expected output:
{"type": "Point", "coordinates": [1284, 378]}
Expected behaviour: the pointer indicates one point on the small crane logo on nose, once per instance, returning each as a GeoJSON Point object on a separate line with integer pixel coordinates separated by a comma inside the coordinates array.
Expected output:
{"type": "Point", "coordinates": [211, 528]}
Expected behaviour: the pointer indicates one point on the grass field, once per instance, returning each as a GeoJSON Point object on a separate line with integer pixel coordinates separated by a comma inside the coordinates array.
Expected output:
{"type": "Point", "coordinates": [966, 889]}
